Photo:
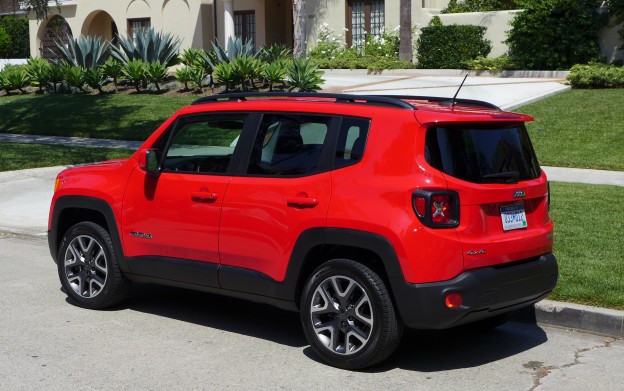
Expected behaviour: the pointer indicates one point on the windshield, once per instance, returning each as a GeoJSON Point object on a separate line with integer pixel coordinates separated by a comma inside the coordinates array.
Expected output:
{"type": "Point", "coordinates": [483, 154]}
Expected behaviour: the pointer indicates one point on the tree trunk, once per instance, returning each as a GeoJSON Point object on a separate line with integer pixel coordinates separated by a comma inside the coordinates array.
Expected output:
{"type": "Point", "coordinates": [298, 29]}
{"type": "Point", "coordinates": [405, 32]}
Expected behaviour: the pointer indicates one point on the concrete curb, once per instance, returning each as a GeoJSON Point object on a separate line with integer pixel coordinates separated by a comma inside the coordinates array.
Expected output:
{"type": "Point", "coordinates": [581, 317]}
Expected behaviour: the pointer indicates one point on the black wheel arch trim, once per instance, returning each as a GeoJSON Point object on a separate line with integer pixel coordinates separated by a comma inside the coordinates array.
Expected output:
{"type": "Point", "coordinates": [90, 203]}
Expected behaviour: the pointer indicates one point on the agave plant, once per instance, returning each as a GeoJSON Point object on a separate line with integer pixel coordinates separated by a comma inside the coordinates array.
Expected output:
{"type": "Point", "coordinates": [56, 74]}
{"type": "Point", "coordinates": [184, 76]}
{"type": "Point", "coordinates": [38, 71]}
{"type": "Point", "coordinates": [75, 76]}
{"type": "Point", "coordinates": [275, 52]}
{"type": "Point", "coordinates": [191, 57]}
{"type": "Point", "coordinates": [156, 72]}
{"type": "Point", "coordinates": [85, 51]}
{"type": "Point", "coordinates": [274, 72]}
{"type": "Point", "coordinates": [304, 75]}
{"type": "Point", "coordinates": [197, 76]}
{"type": "Point", "coordinates": [224, 74]}
{"type": "Point", "coordinates": [135, 71]}
{"type": "Point", "coordinates": [149, 46]}
{"type": "Point", "coordinates": [246, 68]}
{"type": "Point", "coordinates": [14, 77]}
{"type": "Point", "coordinates": [95, 79]}
{"type": "Point", "coordinates": [112, 68]}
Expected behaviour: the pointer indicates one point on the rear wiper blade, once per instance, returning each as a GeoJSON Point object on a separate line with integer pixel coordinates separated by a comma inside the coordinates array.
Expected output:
{"type": "Point", "coordinates": [511, 176]}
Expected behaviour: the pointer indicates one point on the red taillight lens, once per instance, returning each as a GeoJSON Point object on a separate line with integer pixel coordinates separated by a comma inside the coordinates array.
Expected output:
{"type": "Point", "coordinates": [436, 208]}
{"type": "Point", "coordinates": [420, 206]}
{"type": "Point", "coordinates": [441, 209]}
{"type": "Point", "coordinates": [453, 300]}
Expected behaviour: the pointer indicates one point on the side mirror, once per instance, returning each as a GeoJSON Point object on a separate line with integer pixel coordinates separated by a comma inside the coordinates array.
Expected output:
{"type": "Point", "coordinates": [149, 162]}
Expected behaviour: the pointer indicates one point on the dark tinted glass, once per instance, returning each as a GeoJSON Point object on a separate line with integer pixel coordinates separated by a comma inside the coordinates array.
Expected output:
{"type": "Point", "coordinates": [478, 154]}
{"type": "Point", "coordinates": [351, 141]}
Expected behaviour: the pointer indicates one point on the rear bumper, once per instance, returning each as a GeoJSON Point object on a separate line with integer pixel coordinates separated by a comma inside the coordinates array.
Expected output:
{"type": "Point", "coordinates": [487, 292]}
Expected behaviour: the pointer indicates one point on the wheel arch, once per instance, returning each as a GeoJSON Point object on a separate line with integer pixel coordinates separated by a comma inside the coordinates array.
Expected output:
{"type": "Point", "coordinates": [70, 210]}
{"type": "Point", "coordinates": [317, 246]}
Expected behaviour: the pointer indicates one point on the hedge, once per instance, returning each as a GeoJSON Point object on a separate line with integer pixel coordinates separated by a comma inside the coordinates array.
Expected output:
{"type": "Point", "coordinates": [17, 28]}
{"type": "Point", "coordinates": [450, 47]}
{"type": "Point", "coordinates": [596, 76]}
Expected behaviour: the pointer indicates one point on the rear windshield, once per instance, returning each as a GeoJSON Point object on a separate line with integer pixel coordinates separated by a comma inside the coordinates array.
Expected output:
{"type": "Point", "coordinates": [483, 154]}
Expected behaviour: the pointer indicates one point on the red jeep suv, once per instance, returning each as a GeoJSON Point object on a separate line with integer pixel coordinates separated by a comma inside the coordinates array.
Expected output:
{"type": "Point", "coordinates": [364, 213]}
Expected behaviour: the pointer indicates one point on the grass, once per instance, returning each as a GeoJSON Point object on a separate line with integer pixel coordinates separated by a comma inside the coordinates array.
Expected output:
{"type": "Point", "coordinates": [118, 116]}
{"type": "Point", "coordinates": [16, 156]}
{"type": "Point", "coordinates": [588, 243]}
{"type": "Point", "coordinates": [579, 128]}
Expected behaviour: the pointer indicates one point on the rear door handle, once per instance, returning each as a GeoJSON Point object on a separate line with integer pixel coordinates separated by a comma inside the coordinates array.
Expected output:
{"type": "Point", "coordinates": [203, 196]}
{"type": "Point", "coordinates": [302, 201]}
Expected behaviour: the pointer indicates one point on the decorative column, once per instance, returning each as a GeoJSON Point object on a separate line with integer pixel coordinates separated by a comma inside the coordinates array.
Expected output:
{"type": "Point", "coordinates": [228, 21]}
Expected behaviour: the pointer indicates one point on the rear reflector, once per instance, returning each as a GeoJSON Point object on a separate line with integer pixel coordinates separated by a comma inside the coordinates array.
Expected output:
{"type": "Point", "coordinates": [453, 300]}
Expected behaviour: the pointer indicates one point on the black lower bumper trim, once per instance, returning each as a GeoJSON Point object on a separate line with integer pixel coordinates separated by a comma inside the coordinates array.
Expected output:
{"type": "Point", "coordinates": [486, 292]}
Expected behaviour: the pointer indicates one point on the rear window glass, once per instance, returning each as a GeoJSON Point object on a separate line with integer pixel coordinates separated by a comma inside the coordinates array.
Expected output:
{"type": "Point", "coordinates": [483, 154]}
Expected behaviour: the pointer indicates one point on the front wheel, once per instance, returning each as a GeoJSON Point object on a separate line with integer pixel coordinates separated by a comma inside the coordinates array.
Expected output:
{"type": "Point", "coordinates": [348, 316]}
{"type": "Point", "coordinates": [88, 269]}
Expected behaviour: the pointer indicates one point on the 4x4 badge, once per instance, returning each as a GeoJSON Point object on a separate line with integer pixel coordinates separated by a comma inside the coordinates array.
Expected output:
{"type": "Point", "coordinates": [519, 194]}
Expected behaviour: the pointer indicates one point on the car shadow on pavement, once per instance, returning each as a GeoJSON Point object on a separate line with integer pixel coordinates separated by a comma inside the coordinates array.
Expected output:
{"type": "Point", "coordinates": [219, 312]}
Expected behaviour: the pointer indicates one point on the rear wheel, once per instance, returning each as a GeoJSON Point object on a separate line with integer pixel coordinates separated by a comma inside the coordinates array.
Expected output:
{"type": "Point", "coordinates": [88, 269]}
{"type": "Point", "coordinates": [348, 316]}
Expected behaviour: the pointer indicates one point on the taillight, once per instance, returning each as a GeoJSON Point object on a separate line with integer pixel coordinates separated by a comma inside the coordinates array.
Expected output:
{"type": "Point", "coordinates": [436, 209]}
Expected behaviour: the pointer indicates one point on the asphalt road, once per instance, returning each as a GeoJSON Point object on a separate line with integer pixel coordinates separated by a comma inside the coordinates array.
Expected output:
{"type": "Point", "coordinates": [170, 339]}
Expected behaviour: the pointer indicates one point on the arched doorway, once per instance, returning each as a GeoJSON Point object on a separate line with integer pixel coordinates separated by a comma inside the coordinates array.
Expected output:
{"type": "Point", "coordinates": [56, 30]}
{"type": "Point", "coordinates": [100, 24]}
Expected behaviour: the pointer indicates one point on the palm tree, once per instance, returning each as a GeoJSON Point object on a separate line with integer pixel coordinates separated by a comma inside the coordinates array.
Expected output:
{"type": "Point", "coordinates": [298, 29]}
{"type": "Point", "coordinates": [405, 32]}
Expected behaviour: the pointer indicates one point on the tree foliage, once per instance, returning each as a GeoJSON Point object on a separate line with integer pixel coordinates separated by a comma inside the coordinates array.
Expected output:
{"type": "Point", "coordinates": [456, 6]}
{"type": "Point", "coordinates": [556, 34]}
{"type": "Point", "coordinates": [17, 29]}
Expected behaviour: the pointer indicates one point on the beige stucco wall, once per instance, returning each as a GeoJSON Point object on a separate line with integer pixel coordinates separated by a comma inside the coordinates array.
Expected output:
{"type": "Point", "coordinates": [257, 6]}
{"type": "Point", "coordinates": [191, 20]}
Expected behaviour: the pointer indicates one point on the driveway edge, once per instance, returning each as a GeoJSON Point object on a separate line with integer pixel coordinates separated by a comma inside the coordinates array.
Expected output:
{"type": "Point", "coordinates": [595, 320]}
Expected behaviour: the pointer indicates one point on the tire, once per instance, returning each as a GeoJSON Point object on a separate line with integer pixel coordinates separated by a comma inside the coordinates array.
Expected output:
{"type": "Point", "coordinates": [348, 316]}
{"type": "Point", "coordinates": [88, 268]}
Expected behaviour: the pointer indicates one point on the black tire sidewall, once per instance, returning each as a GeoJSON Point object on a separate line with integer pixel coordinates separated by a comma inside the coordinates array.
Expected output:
{"type": "Point", "coordinates": [371, 353]}
{"type": "Point", "coordinates": [103, 238]}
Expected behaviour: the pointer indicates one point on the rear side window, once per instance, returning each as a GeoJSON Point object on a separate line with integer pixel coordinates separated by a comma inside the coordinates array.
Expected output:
{"type": "Point", "coordinates": [351, 141]}
{"type": "Point", "coordinates": [483, 154]}
{"type": "Point", "coordinates": [289, 144]}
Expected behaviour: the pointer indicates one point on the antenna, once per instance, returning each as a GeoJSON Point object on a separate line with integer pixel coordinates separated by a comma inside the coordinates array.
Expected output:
{"type": "Point", "coordinates": [453, 102]}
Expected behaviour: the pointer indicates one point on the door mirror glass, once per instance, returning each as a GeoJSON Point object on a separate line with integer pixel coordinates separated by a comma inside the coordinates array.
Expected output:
{"type": "Point", "coordinates": [151, 162]}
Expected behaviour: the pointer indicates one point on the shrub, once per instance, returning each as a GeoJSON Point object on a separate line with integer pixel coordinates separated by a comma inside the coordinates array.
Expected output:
{"type": "Point", "coordinates": [149, 47]}
{"type": "Point", "coordinates": [17, 28]}
{"type": "Point", "coordinates": [246, 68]}
{"type": "Point", "coordinates": [275, 52]}
{"type": "Point", "coordinates": [38, 71]}
{"type": "Point", "coordinates": [480, 6]}
{"type": "Point", "coordinates": [94, 79]}
{"type": "Point", "coordinates": [75, 76]}
{"type": "Point", "coordinates": [387, 45]}
{"type": "Point", "coordinates": [596, 76]}
{"type": "Point", "coordinates": [14, 77]}
{"type": "Point", "coordinates": [85, 51]}
{"type": "Point", "coordinates": [274, 72]}
{"type": "Point", "coordinates": [555, 34]}
{"type": "Point", "coordinates": [56, 74]}
{"type": "Point", "coordinates": [112, 68]}
{"type": "Point", "coordinates": [304, 75]}
{"type": "Point", "coordinates": [134, 71]}
{"type": "Point", "coordinates": [184, 76]}
{"type": "Point", "coordinates": [197, 76]}
{"type": "Point", "coordinates": [5, 43]}
{"type": "Point", "coordinates": [155, 72]}
{"type": "Point", "coordinates": [496, 64]}
{"type": "Point", "coordinates": [328, 44]}
{"type": "Point", "coordinates": [224, 74]}
{"type": "Point", "coordinates": [448, 47]}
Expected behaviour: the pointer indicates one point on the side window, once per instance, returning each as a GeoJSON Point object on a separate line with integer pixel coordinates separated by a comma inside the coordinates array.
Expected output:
{"type": "Point", "coordinates": [203, 143]}
{"type": "Point", "coordinates": [351, 141]}
{"type": "Point", "coordinates": [289, 144]}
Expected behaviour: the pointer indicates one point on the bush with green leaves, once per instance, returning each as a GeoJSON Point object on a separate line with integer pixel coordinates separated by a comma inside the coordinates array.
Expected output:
{"type": "Point", "coordinates": [555, 34]}
{"type": "Point", "coordinates": [224, 74]}
{"type": "Point", "coordinates": [56, 74]}
{"type": "Point", "coordinates": [17, 28]}
{"type": "Point", "coordinates": [596, 76]}
{"type": "Point", "coordinates": [449, 47]}
{"type": "Point", "coordinates": [155, 73]}
{"type": "Point", "coordinates": [5, 43]}
{"type": "Point", "coordinates": [197, 78]}
{"type": "Point", "coordinates": [274, 72]}
{"type": "Point", "coordinates": [304, 75]}
{"type": "Point", "coordinates": [14, 77]}
{"type": "Point", "coordinates": [183, 75]}
{"type": "Point", "coordinates": [275, 52]}
{"type": "Point", "coordinates": [246, 68]}
{"type": "Point", "coordinates": [329, 44]}
{"type": "Point", "coordinates": [85, 51]}
{"type": "Point", "coordinates": [496, 64]}
{"type": "Point", "coordinates": [38, 71]}
{"type": "Point", "coordinates": [386, 45]}
{"type": "Point", "coordinates": [149, 46]}
{"type": "Point", "coordinates": [135, 72]}
{"type": "Point", "coordinates": [456, 6]}
{"type": "Point", "coordinates": [75, 77]}
{"type": "Point", "coordinates": [112, 69]}
{"type": "Point", "coordinates": [95, 79]}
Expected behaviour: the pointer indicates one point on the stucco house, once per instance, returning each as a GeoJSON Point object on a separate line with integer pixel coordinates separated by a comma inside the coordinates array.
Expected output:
{"type": "Point", "coordinates": [198, 22]}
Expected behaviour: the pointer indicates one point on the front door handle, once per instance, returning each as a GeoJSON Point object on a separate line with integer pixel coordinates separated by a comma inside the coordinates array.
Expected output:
{"type": "Point", "coordinates": [204, 196]}
{"type": "Point", "coordinates": [302, 201]}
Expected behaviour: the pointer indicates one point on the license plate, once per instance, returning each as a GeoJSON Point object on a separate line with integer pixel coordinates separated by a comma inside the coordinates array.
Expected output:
{"type": "Point", "coordinates": [513, 217]}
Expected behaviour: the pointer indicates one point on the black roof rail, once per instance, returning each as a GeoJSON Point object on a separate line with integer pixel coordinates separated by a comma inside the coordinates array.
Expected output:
{"type": "Point", "coordinates": [449, 101]}
{"type": "Point", "coordinates": [377, 100]}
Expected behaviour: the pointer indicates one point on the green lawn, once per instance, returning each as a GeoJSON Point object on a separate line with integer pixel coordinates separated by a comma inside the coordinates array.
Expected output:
{"type": "Point", "coordinates": [118, 116]}
{"type": "Point", "coordinates": [16, 156]}
{"type": "Point", "coordinates": [588, 243]}
{"type": "Point", "coordinates": [579, 128]}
